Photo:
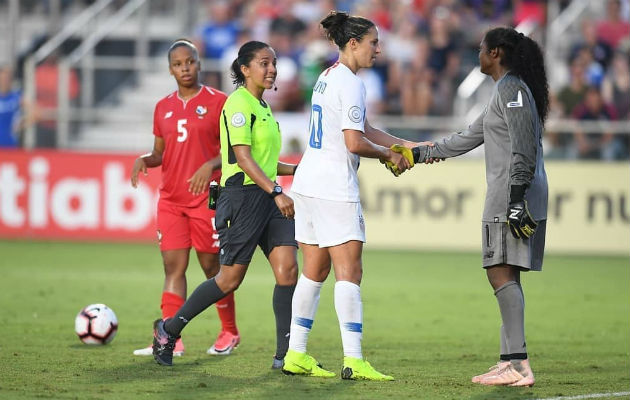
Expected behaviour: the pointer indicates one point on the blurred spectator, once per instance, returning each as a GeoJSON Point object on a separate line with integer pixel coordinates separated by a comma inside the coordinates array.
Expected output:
{"type": "Point", "coordinates": [10, 105]}
{"type": "Point", "coordinates": [442, 45]}
{"type": "Point", "coordinates": [596, 145]}
{"type": "Point", "coordinates": [285, 36]}
{"type": "Point", "coordinates": [616, 85]}
{"type": "Point", "coordinates": [573, 93]}
{"type": "Point", "coordinates": [613, 29]}
{"type": "Point", "coordinates": [219, 32]}
{"type": "Point", "coordinates": [562, 106]}
{"type": "Point", "coordinates": [616, 90]}
{"type": "Point", "coordinates": [46, 87]}
{"type": "Point", "coordinates": [215, 36]}
{"type": "Point", "coordinates": [600, 51]}
{"type": "Point", "coordinates": [530, 10]}
{"type": "Point", "coordinates": [495, 12]}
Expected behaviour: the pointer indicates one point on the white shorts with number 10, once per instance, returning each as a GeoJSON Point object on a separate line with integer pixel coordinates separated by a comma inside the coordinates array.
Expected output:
{"type": "Point", "coordinates": [327, 223]}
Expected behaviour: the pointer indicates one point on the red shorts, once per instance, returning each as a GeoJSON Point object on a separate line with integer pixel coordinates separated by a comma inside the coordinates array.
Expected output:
{"type": "Point", "coordinates": [185, 227]}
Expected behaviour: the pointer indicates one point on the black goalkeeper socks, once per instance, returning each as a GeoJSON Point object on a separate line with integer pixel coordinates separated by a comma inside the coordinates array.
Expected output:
{"type": "Point", "coordinates": [282, 298]}
{"type": "Point", "coordinates": [203, 297]}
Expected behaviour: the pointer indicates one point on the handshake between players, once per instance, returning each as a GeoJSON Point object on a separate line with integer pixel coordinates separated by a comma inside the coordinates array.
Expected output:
{"type": "Point", "coordinates": [409, 158]}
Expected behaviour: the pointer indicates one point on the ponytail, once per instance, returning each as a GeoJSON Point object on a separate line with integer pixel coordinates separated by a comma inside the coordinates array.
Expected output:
{"type": "Point", "coordinates": [341, 27]}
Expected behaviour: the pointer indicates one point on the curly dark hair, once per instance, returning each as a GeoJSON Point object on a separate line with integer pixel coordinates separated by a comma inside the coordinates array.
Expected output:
{"type": "Point", "coordinates": [524, 58]}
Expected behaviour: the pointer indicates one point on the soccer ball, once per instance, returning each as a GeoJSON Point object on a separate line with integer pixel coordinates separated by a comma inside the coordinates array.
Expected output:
{"type": "Point", "coordinates": [96, 324]}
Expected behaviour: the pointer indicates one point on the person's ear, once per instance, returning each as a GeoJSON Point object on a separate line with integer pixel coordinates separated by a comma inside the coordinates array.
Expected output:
{"type": "Point", "coordinates": [354, 43]}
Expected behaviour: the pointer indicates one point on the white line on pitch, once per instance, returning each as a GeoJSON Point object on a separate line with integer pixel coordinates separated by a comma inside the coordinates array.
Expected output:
{"type": "Point", "coordinates": [588, 396]}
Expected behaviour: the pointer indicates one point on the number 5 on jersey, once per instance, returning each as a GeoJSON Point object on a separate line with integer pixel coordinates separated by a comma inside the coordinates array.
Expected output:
{"type": "Point", "coordinates": [316, 127]}
{"type": "Point", "coordinates": [182, 132]}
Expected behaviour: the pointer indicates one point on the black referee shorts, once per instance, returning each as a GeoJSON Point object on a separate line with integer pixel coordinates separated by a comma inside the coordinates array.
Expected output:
{"type": "Point", "coordinates": [247, 217]}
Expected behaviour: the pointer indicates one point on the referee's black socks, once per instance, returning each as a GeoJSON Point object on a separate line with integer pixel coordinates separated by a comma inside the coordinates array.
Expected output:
{"type": "Point", "coordinates": [282, 298]}
{"type": "Point", "coordinates": [203, 297]}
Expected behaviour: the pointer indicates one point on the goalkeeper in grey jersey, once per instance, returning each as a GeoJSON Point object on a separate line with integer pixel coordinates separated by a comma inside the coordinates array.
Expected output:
{"type": "Point", "coordinates": [515, 212]}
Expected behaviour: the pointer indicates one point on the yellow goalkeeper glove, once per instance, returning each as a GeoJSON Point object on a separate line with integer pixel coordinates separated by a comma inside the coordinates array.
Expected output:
{"type": "Point", "coordinates": [406, 152]}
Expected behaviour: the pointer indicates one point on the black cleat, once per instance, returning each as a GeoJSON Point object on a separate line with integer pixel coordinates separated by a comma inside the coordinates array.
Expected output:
{"type": "Point", "coordinates": [163, 344]}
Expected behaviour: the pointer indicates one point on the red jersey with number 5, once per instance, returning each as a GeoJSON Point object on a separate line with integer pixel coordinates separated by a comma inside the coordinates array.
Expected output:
{"type": "Point", "coordinates": [190, 130]}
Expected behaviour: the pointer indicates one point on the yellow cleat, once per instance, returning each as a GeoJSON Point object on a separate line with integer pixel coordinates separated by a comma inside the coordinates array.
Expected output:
{"type": "Point", "coordinates": [359, 369]}
{"type": "Point", "coordinates": [302, 364]}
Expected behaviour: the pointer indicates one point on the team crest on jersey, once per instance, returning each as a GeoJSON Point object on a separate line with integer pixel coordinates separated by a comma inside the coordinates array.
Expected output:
{"type": "Point", "coordinates": [355, 114]}
{"type": "Point", "coordinates": [238, 120]}
{"type": "Point", "coordinates": [201, 110]}
{"type": "Point", "coordinates": [168, 115]}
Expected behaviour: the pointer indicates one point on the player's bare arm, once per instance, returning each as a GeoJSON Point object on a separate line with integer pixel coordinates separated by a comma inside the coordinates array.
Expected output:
{"type": "Point", "coordinates": [383, 138]}
{"type": "Point", "coordinates": [201, 178]}
{"type": "Point", "coordinates": [357, 143]}
{"type": "Point", "coordinates": [149, 160]}
{"type": "Point", "coordinates": [252, 169]}
{"type": "Point", "coordinates": [286, 169]}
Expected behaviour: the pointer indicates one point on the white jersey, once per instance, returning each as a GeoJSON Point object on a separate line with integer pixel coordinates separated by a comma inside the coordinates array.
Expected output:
{"type": "Point", "coordinates": [328, 170]}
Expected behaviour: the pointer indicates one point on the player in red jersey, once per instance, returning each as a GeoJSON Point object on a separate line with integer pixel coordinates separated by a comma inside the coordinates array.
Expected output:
{"type": "Point", "coordinates": [186, 145]}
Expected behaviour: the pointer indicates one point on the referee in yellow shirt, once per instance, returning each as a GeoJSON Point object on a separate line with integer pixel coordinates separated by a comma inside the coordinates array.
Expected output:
{"type": "Point", "coordinates": [252, 209]}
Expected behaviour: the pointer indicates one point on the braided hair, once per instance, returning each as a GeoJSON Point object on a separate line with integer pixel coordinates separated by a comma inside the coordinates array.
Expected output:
{"type": "Point", "coordinates": [524, 58]}
{"type": "Point", "coordinates": [341, 27]}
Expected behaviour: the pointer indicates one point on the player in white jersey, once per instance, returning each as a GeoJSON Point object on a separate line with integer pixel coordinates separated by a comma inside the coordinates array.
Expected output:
{"type": "Point", "coordinates": [328, 218]}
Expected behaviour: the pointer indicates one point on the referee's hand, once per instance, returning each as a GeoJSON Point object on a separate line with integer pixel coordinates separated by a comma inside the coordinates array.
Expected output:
{"type": "Point", "coordinates": [285, 205]}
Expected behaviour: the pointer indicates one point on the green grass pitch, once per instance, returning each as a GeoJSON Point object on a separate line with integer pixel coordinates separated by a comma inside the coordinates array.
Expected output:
{"type": "Point", "coordinates": [430, 320]}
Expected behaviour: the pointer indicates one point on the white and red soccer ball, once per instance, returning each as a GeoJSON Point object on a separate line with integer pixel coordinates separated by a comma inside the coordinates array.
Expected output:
{"type": "Point", "coordinates": [96, 324]}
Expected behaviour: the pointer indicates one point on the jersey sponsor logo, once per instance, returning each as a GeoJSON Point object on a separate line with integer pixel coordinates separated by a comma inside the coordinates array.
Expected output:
{"type": "Point", "coordinates": [201, 110]}
{"type": "Point", "coordinates": [518, 102]}
{"type": "Point", "coordinates": [355, 114]}
{"type": "Point", "coordinates": [238, 120]}
{"type": "Point", "coordinates": [168, 115]}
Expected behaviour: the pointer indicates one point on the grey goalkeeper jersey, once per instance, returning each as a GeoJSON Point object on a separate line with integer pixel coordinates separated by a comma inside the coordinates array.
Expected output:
{"type": "Point", "coordinates": [512, 133]}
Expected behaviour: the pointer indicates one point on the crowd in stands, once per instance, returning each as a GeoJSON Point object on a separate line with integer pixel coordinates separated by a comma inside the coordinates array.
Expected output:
{"type": "Point", "coordinates": [429, 46]}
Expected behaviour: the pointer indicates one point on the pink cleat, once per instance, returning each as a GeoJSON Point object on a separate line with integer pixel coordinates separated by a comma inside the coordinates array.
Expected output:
{"type": "Point", "coordinates": [528, 374]}
{"type": "Point", "coordinates": [509, 376]}
{"type": "Point", "coordinates": [225, 343]}
{"type": "Point", "coordinates": [491, 371]}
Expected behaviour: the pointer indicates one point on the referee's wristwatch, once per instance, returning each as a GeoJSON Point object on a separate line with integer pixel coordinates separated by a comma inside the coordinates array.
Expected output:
{"type": "Point", "coordinates": [275, 191]}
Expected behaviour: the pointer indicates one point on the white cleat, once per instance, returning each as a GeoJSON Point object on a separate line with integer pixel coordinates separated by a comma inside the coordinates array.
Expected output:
{"type": "Point", "coordinates": [148, 351]}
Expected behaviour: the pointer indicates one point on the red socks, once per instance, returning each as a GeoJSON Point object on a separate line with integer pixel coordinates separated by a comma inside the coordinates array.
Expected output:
{"type": "Point", "coordinates": [171, 302]}
{"type": "Point", "coordinates": [227, 313]}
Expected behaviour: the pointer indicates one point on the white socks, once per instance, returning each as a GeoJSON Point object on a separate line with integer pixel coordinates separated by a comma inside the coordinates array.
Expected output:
{"type": "Point", "coordinates": [350, 314]}
{"type": "Point", "coordinates": [304, 307]}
